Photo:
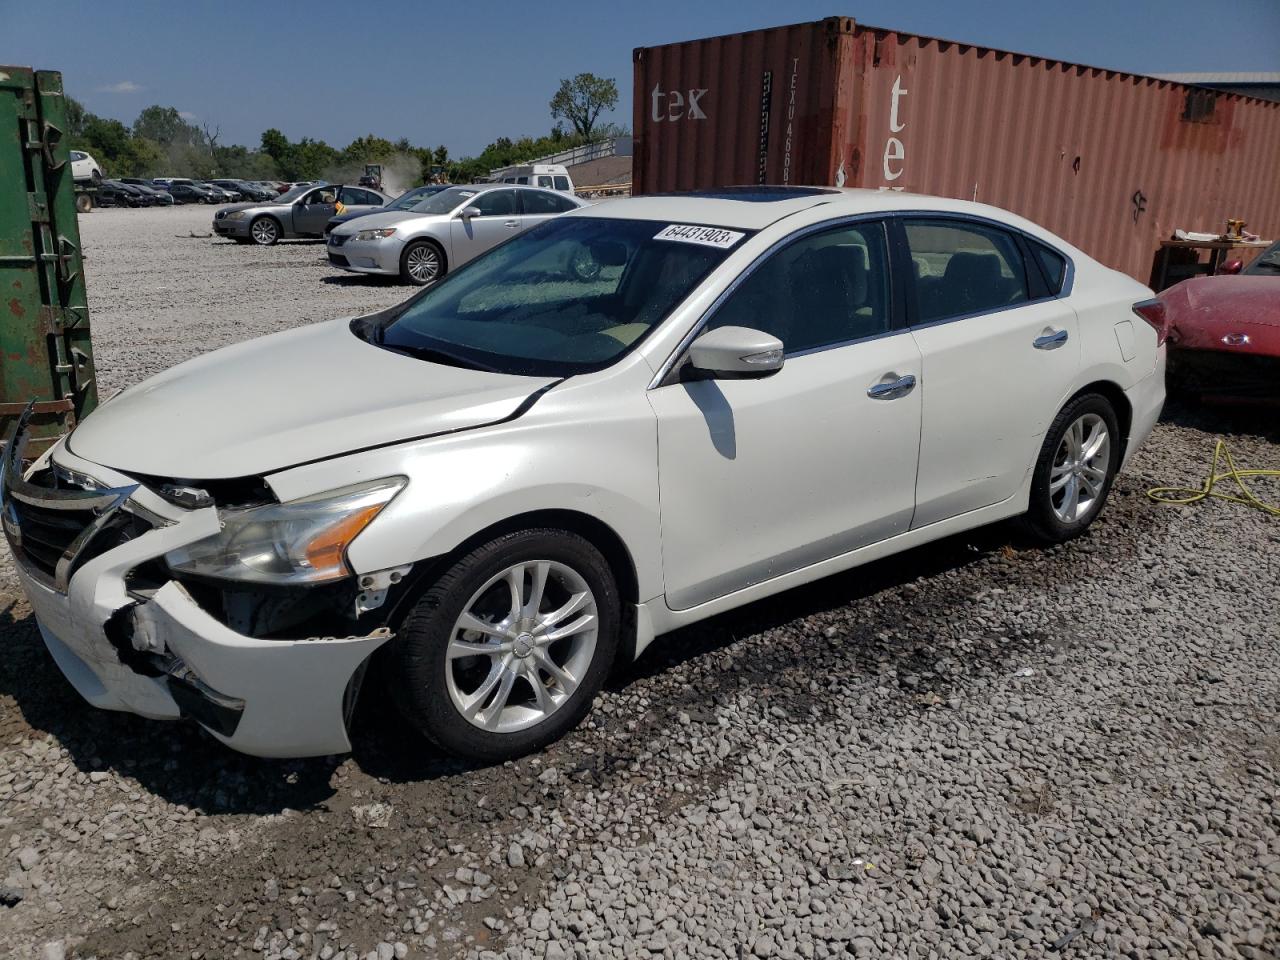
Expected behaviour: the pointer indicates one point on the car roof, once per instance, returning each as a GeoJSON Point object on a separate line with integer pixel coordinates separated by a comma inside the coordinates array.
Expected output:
{"type": "Point", "coordinates": [754, 208]}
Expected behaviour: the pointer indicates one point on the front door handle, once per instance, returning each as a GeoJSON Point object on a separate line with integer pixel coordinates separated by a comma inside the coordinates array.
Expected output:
{"type": "Point", "coordinates": [511, 223]}
{"type": "Point", "coordinates": [1050, 341]}
{"type": "Point", "coordinates": [892, 389]}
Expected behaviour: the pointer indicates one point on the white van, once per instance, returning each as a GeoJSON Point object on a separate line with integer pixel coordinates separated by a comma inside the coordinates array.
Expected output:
{"type": "Point", "coordinates": [549, 176]}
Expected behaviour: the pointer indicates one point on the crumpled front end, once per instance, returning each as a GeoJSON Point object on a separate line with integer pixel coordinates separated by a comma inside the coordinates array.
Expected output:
{"type": "Point", "coordinates": [89, 544]}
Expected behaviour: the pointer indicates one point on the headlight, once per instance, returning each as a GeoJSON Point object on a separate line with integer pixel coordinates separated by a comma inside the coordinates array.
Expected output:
{"type": "Point", "coordinates": [375, 234]}
{"type": "Point", "coordinates": [303, 541]}
{"type": "Point", "coordinates": [235, 215]}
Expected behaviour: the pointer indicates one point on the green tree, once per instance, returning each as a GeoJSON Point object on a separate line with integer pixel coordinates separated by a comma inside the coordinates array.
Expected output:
{"type": "Point", "coordinates": [308, 159]}
{"type": "Point", "coordinates": [165, 126]}
{"type": "Point", "coordinates": [275, 145]}
{"type": "Point", "coordinates": [581, 99]}
{"type": "Point", "coordinates": [368, 149]}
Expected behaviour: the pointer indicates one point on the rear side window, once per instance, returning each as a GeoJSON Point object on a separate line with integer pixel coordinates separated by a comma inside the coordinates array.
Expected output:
{"type": "Point", "coordinates": [1052, 264]}
{"type": "Point", "coordinates": [824, 289]}
{"type": "Point", "coordinates": [562, 183]}
{"type": "Point", "coordinates": [536, 203]}
{"type": "Point", "coordinates": [963, 268]}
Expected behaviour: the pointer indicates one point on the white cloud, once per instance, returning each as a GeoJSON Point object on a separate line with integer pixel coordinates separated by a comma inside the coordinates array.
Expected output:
{"type": "Point", "coordinates": [187, 115]}
{"type": "Point", "coordinates": [124, 86]}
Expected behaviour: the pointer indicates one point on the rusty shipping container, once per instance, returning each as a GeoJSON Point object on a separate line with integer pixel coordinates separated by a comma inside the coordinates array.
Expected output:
{"type": "Point", "coordinates": [1113, 162]}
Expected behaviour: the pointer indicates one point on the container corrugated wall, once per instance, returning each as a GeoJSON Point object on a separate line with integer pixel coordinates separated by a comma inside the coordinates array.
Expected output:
{"type": "Point", "coordinates": [1105, 159]}
{"type": "Point", "coordinates": [757, 107]}
{"type": "Point", "coordinates": [1111, 161]}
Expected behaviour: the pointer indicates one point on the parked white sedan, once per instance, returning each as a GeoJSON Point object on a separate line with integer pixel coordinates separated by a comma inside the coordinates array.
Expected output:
{"type": "Point", "coordinates": [624, 420]}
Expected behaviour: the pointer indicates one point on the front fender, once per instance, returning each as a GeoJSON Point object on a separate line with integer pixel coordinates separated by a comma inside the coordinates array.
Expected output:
{"type": "Point", "coordinates": [595, 456]}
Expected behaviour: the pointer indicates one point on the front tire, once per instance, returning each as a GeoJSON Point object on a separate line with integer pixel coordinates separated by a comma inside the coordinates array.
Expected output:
{"type": "Point", "coordinates": [1075, 470]}
{"type": "Point", "coordinates": [422, 263]}
{"type": "Point", "coordinates": [264, 231]}
{"type": "Point", "coordinates": [505, 652]}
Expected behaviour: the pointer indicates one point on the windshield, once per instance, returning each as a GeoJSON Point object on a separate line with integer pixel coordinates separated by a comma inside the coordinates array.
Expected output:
{"type": "Point", "coordinates": [1268, 263]}
{"type": "Point", "coordinates": [445, 201]}
{"type": "Point", "coordinates": [407, 201]}
{"type": "Point", "coordinates": [291, 195]}
{"type": "Point", "coordinates": [570, 295]}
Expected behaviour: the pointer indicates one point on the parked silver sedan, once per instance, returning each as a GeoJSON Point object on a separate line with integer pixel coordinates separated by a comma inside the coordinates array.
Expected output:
{"type": "Point", "coordinates": [300, 212]}
{"type": "Point", "coordinates": [443, 231]}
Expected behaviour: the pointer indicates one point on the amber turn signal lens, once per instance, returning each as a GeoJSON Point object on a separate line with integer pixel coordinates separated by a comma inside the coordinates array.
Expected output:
{"type": "Point", "coordinates": [327, 551]}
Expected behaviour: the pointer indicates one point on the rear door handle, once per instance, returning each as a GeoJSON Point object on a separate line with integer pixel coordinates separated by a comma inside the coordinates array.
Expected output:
{"type": "Point", "coordinates": [511, 223]}
{"type": "Point", "coordinates": [1050, 341]}
{"type": "Point", "coordinates": [892, 389]}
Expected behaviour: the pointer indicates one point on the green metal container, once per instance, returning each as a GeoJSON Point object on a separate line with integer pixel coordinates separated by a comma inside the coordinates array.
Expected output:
{"type": "Point", "coordinates": [45, 355]}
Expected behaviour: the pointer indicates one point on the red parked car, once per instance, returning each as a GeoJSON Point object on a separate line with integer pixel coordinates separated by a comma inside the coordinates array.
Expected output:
{"type": "Point", "coordinates": [1224, 333]}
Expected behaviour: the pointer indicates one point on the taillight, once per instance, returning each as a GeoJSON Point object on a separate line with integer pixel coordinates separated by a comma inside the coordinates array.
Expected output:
{"type": "Point", "coordinates": [1153, 312]}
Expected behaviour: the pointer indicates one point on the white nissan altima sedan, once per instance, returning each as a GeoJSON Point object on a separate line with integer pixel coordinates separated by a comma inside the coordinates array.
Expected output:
{"type": "Point", "coordinates": [621, 421]}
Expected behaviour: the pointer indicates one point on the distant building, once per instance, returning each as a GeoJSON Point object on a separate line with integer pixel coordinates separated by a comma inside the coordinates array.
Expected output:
{"type": "Point", "coordinates": [1264, 86]}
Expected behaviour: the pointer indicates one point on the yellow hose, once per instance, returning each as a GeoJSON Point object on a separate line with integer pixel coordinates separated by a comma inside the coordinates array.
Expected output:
{"type": "Point", "coordinates": [1196, 494]}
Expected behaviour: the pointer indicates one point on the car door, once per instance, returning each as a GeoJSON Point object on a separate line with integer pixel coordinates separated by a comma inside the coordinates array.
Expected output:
{"type": "Point", "coordinates": [761, 477]}
{"type": "Point", "coordinates": [497, 221]}
{"type": "Point", "coordinates": [313, 210]}
{"type": "Point", "coordinates": [999, 355]}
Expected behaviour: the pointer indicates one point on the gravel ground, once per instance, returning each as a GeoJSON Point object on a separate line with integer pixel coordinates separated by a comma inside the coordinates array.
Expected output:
{"type": "Point", "coordinates": [973, 749]}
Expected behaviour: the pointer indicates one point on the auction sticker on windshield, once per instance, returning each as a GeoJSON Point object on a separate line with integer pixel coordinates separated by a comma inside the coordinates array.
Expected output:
{"type": "Point", "coordinates": [703, 236]}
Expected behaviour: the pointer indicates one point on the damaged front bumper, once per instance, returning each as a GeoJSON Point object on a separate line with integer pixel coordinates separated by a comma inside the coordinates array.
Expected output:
{"type": "Point", "coordinates": [154, 650]}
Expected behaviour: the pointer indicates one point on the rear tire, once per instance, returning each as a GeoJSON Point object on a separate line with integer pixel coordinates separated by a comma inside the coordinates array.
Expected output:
{"type": "Point", "coordinates": [1075, 470]}
{"type": "Point", "coordinates": [422, 263]}
{"type": "Point", "coordinates": [507, 685]}
{"type": "Point", "coordinates": [264, 231]}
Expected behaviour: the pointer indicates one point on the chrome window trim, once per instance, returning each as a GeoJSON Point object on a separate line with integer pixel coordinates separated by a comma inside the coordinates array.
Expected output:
{"type": "Point", "coordinates": [662, 377]}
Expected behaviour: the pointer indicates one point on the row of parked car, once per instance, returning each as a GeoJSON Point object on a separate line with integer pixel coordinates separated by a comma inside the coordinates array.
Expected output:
{"type": "Point", "coordinates": [417, 237]}
{"type": "Point", "coordinates": [167, 191]}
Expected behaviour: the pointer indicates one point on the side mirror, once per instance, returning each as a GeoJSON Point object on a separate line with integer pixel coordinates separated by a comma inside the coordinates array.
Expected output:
{"type": "Point", "coordinates": [1231, 266]}
{"type": "Point", "coordinates": [736, 353]}
{"type": "Point", "coordinates": [469, 212]}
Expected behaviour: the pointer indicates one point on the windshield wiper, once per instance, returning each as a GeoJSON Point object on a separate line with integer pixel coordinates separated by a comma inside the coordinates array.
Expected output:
{"type": "Point", "coordinates": [436, 355]}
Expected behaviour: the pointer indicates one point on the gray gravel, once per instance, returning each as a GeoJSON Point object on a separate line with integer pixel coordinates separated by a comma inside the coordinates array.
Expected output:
{"type": "Point", "coordinates": [975, 749]}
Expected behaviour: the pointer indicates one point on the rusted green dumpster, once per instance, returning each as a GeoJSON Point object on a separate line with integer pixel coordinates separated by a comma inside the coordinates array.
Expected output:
{"type": "Point", "coordinates": [45, 354]}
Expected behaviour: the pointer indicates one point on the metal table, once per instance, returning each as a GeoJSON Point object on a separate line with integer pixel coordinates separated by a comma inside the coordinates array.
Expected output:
{"type": "Point", "coordinates": [1218, 249]}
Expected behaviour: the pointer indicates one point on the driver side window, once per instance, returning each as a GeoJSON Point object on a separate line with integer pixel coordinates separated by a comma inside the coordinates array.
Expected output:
{"type": "Point", "coordinates": [827, 288]}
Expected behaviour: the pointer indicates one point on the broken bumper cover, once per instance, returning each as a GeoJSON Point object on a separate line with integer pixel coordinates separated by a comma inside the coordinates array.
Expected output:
{"type": "Point", "coordinates": [270, 698]}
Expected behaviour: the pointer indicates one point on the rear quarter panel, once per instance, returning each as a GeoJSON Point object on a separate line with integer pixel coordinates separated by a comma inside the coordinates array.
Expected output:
{"type": "Point", "coordinates": [1116, 345]}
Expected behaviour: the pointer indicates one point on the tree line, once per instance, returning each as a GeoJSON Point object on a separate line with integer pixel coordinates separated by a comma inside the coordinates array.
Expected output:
{"type": "Point", "coordinates": [162, 142]}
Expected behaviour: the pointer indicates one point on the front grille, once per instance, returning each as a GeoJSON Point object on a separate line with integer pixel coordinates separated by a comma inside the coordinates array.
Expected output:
{"type": "Point", "coordinates": [338, 260]}
{"type": "Point", "coordinates": [338, 239]}
{"type": "Point", "coordinates": [43, 534]}
{"type": "Point", "coordinates": [1221, 373]}
{"type": "Point", "coordinates": [220, 214]}
{"type": "Point", "coordinates": [57, 519]}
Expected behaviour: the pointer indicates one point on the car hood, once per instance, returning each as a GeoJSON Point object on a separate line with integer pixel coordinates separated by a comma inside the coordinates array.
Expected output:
{"type": "Point", "coordinates": [1224, 299]}
{"type": "Point", "coordinates": [233, 207]}
{"type": "Point", "coordinates": [391, 218]}
{"type": "Point", "coordinates": [287, 399]}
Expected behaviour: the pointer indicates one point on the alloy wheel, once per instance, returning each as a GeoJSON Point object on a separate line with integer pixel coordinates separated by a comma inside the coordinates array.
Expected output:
{"type": "Point", "coordinates": [423, 263]}
{"type": "Point", "coordinates": [522, 645]}
{"type": "Point", "coordinates": [264, 232]}
{"type": "Point", "coordinates": [1079, 473]}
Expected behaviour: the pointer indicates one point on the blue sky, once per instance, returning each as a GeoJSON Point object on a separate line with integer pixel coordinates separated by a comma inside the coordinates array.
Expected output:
{"type": "Point", "coordinates": [464, 74]}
